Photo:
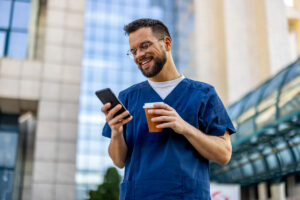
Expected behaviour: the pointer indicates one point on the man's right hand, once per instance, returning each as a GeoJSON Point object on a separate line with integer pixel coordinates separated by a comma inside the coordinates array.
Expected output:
{"type": "Point", "coordinates": [117, 148]}
{"type": "Point", "coordinates": [115, 123]}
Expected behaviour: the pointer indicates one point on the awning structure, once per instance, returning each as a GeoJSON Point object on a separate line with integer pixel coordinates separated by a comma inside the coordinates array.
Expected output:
{"type": "Point", "coordinates": [267, 144]}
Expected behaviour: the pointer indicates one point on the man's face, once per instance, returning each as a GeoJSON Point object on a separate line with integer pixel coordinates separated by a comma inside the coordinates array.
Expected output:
{"type": "Point", "coordinates": [149, 54]}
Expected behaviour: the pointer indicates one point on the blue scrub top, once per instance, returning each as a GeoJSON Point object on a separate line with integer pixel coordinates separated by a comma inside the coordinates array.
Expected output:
{"type": "Point", "coordinates": [165, 165]}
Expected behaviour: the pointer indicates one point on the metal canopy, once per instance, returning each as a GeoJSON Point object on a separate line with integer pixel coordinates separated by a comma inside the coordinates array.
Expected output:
{"type": "Point", "coordinates": [267, 143]}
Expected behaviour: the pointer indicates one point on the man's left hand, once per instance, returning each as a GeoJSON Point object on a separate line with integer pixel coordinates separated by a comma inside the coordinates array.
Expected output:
{"type": "Point", "coordinates": [169, 118]}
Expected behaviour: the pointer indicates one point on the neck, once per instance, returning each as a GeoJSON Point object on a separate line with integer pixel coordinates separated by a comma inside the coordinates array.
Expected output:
{"type": "Point", "coordinates": [168, 72]}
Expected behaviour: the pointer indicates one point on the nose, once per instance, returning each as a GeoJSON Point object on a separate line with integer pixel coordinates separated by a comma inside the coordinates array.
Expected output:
{"type": "Point", "coordinates": [139, 54]}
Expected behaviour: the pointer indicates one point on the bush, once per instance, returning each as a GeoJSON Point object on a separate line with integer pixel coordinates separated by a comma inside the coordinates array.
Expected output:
{"type": "Point", "coordinates": [109, 189]}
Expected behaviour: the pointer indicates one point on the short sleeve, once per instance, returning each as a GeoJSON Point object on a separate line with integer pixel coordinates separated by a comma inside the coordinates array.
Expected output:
{"type": "Point", "coordinates": [213, 117]}
{"type": "Point", "coordinates": [106, 132]}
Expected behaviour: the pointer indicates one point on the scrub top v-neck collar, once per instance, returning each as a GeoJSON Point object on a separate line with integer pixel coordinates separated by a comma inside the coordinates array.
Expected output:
{"type": "Point", "coordinates": [171, 95]}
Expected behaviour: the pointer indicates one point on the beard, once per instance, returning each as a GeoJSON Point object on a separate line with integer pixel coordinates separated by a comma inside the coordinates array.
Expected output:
{"type": "Point", "coordinates": [158, 65]}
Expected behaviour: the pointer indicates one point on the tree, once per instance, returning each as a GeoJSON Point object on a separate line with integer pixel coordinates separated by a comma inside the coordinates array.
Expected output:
{"type": "Point", "coordinates": [109, 189]}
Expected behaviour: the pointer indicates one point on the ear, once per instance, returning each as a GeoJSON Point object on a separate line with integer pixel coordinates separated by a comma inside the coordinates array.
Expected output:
{"type": "Point", "coordinates": [168, 43]}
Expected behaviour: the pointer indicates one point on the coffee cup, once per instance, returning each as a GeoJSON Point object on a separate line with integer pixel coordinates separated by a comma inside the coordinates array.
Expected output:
{"type": "Point", "coordinates": [151, 125]}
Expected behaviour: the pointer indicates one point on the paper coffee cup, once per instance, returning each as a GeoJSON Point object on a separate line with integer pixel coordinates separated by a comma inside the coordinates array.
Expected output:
{"type": "Point", "coordinates": [151, 124]}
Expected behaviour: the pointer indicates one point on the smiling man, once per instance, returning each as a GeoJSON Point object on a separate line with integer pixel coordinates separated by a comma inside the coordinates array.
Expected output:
{"type": "Point", "coordinates": [172, 164]}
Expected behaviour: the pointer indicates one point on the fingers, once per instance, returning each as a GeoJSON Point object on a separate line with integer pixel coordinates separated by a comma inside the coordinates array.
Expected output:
{"type": "Point", "coordinates": [163, 119]}
{"type": "Point", "coordinates": [163, 106]}
{"type": "Point", "coordinates": [118, 118]}
{"type": "Point", "coordinates": [166, 125]}
{"type": "Point", "coordinates": [162, 112]}
{"type": "Point", "coordinates": [120, 123]}
{"type": "Point", "coordinates": [125, 121]}
{"type": "Point", "coordinates": [105, 108]}
{"type": "Point", "coordinates": [110, 114]}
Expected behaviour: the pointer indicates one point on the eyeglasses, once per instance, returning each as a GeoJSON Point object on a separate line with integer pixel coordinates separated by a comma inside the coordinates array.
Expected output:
{"type": "Point", "coordinates": [143, 46]}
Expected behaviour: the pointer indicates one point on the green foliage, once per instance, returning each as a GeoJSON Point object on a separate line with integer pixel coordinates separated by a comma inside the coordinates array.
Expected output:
{"type": "Point", "coordinates": [109, 189]}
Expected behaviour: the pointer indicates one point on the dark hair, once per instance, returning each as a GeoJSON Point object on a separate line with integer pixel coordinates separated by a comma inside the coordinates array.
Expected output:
{"type": "Point", "coordinates": [158, 28]}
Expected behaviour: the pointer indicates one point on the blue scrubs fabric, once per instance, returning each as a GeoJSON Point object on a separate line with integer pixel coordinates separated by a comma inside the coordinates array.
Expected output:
{"type": "Point", "coordinates": [165, 165]}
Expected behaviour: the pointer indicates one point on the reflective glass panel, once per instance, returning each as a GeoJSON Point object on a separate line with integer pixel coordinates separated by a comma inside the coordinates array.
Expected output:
{"type": "Point", "coordinates": [296, 150]}
{"type": "Point", "coordinates": [253, 98]}
{"type": "Point", "coordinates": [247, 169]}
{"type": "Point", "coordinates": [271, 90]}
{"type": "Point", "coordinates": [236, 174]}
{"type": "Point", "coordinates": [266, 108]}
{"type": "Point", "coordinates": [6, 183]}
{"type": "Point", "coordinates": [246, 128]}
{"type": "Point", "coordinates": [2, 42]}
{"type": "Point", "coordinates": [286, 157]}
{"type": "Point", "coordinates": [4, 13]}
{"type": "Point", "coordinates": [8, 149]}
{"type": "Point", "coordinates": [21, 15]}
{"type": "Point", "coordinates": [290, 93]}
{"type": "Point", "coordinates": [266, 117]}
{"type": "Point", "coordinates": [293, 73]}
{"type": "Point", "coordinates": [272, 161]}
{"type": "Point", "coordinates": [259, 166]}
{"type": "Point", "coordinates": [235, 109]}
{"type": "Point", "coordinates": [17, 46]}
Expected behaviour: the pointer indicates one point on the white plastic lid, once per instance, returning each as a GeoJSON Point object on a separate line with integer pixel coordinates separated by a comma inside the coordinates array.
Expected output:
{"type": "Point", "coordinates": [150, 105]}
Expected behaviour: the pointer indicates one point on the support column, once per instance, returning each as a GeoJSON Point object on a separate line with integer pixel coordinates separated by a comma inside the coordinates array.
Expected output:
{"type": "Point", "coordinates": [278, 35]}
{"type": "Point", "coordinates": [246, 46]}
{"type": "Point", "coordinates": [54, 164]}
{"type": "Point", "coordinates": [278, 191]}
{"type": "Point", "coordinates": [210, 64]}
{"type": "Point", "coordinates": [262, 191]}
{"type": "Point", "coordinates": [293, 189]}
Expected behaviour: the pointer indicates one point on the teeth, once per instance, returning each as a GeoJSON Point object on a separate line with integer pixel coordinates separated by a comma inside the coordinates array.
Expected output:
{"type": "Point", "coordinates": [146, 61]}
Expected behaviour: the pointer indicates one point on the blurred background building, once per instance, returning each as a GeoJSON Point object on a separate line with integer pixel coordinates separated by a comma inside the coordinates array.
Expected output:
{"type": "Point", "coordinates": [54, 54]}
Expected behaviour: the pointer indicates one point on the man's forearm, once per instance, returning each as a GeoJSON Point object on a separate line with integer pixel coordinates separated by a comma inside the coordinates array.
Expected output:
{"type": "Point", "coordinates": [118, 150]}
{"type": "Point", "coordinates": [215, 148]}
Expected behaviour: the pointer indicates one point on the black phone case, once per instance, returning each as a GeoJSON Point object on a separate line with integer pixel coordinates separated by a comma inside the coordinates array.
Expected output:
{"type": "Point", "coordinates": [107, 96]}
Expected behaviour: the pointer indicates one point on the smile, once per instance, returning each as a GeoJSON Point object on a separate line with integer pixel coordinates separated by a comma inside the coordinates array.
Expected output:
{"type": "Point", "coordinates": [145, 61]}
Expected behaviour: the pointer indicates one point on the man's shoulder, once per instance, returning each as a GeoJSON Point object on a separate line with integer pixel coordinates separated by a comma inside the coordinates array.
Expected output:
{"type": "Point", "coordinates": [133, 89]}
{"type": "Point", "coordinates": [198, 85]}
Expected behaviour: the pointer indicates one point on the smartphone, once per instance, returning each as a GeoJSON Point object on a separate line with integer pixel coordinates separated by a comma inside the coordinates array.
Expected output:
{"type": "Point", "coordinates": [107, 96]}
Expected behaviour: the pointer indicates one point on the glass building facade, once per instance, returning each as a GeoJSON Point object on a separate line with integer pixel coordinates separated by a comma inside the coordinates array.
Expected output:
{"type": "Point", "coordinates": [14, 19]}
{"type": "Point", "coordinates": [184, 32]}
{"type": "Point", "coordinates": [8, 154]}
{"type": "Point", "coordinates": [105, 64]}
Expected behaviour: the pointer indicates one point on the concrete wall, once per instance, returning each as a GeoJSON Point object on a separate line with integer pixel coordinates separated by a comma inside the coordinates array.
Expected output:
{"type": "Point", "coordinates": [239, 44]}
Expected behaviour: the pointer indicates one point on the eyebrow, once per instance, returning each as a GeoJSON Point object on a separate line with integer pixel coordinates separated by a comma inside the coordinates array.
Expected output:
{"type": "Point", "coordinates": [146, 41]}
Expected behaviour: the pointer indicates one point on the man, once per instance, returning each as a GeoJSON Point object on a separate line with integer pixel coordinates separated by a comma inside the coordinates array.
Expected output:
{"type": "Point", "coordinates": [173, 164]}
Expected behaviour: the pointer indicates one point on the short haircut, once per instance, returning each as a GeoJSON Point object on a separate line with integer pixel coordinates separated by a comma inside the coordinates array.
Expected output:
{"type": "Point", "coordinates": [158, 28]}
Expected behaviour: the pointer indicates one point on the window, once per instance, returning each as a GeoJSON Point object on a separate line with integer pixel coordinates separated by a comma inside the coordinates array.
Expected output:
{"type": "Point", "coordinates": [9, 162]}
{"type": "Point", "coordinates": [14, 20]}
